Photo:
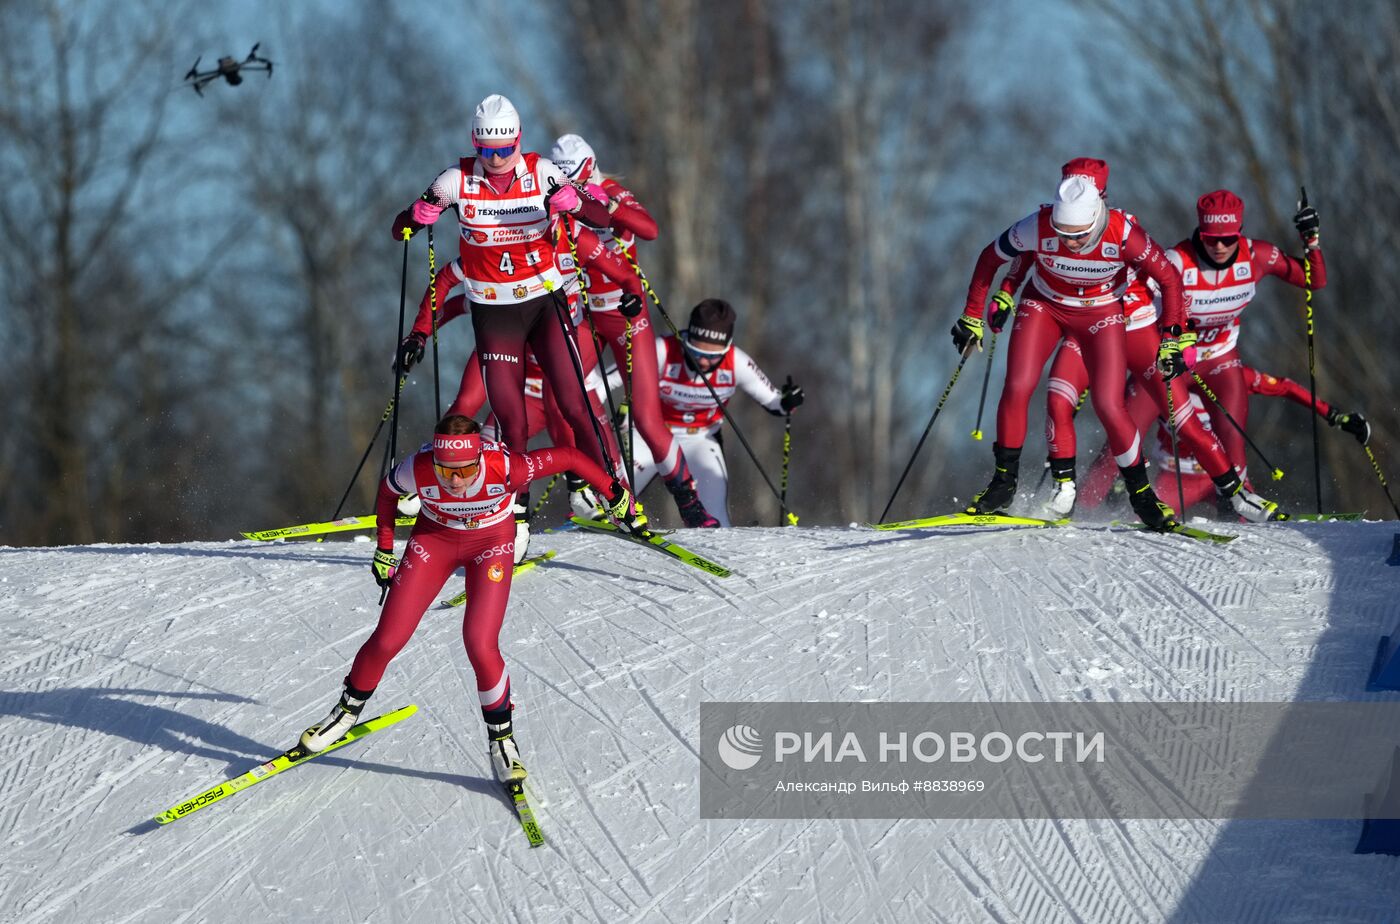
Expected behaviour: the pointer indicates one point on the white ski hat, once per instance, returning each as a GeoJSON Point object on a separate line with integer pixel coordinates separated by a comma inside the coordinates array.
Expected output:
{"type": "Point", "coordinates": [574, 156]}
{"type": "Point", "coordinates": [495, 121]}
{"type": "Point", "coordinates": [1077, 202]}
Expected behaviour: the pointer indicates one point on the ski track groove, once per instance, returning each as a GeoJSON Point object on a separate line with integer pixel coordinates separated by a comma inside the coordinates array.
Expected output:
{"type": "Point", "coordinates": [1066, 844]}
{"type": "Point", "coordinates": [640, 660]}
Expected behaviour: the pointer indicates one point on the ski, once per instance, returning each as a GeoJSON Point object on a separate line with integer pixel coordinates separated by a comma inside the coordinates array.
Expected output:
{"type": "Point", "coordinates": [521, 568]}
{"type": "Point", "coordinates": [515, 790]}
{"type": "Point", "coordinates": [968, 519]}
{"type": "Point", "coordinates": [661, 544]}
{"type": "Point", "coordinates": [998, 519]}
{"type": "Point", "coordinates": [320, 529]}
{"type": "Point", "coordinates": [1191, 532]}
{"type": "Point", "coordinates": [289, 758]}
{"type": "Point", "coordinates": [1323, 517]}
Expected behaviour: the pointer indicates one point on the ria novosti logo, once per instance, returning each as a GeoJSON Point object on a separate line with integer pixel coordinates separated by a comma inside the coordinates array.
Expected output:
{"type": "Point", "coordinates": [740, 747]}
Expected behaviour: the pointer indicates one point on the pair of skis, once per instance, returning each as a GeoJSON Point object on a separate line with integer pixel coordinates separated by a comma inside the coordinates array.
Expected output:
{"type": "Point", "coordinates": [998, 519]}
{"type": "Point", "coordinates": [295, 756]}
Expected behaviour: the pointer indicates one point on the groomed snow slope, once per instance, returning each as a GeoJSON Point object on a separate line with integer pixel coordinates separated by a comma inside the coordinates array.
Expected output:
{"type": "Point", "coordinates": [132, 676]}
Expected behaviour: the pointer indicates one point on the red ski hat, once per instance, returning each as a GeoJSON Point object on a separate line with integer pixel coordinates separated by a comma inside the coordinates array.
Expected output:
{"type": "Point", "coordinates": [1091, 168]}
{"type": "Point", "coordinates": [1219, 213]}
{"type": "Point", "coordinates": [454, 450]}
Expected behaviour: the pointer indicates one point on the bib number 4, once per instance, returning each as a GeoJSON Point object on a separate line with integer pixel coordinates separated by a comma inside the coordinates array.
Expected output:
{"type": "Point", "coordinates": [507, 265]}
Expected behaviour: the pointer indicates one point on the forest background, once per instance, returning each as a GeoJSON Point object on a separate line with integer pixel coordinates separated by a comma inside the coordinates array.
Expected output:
{"type": "Point", "coordinates": [199, 296]}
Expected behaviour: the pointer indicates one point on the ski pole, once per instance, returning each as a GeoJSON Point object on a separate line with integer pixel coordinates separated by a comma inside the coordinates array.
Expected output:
{"type": "Point", "coordinates": [627, 400]}
{"type": "Point", "coordinates": [388, 410]}
{"type": "Point", "coordinates": [986, 378]}
{"type": "Point", "coordinates": [403, 294]}
{"type": "Point", "coordinates": [967, 351]}
{"type": "Point", "coordinates": [432, 288]}
{"type": "Point", "coordinates": [1384, 487]}
{"type": "Point", "coordinates": [724, 412]}
{"type": "Point", "coordinates": [1176, 452]}
{"type": "Point", "coordinates": [784, 517]}
{"type": "Point", "coordinates": [626, 475]}
{"type": "Point", "coordinates": [1312, 360]}
{"type": "Point", "coordinates": [544, 495]}
{"type": "Point", "coordinates": [1205, 389]}
{"type": "Point", "coordinates": [561, 311]}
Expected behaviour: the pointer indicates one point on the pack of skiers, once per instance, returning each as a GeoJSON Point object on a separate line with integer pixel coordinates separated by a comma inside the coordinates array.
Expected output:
{"type": "Point", "coordinates": [546, 263]}
{"type": "Point", "coordinates": [544, 254]}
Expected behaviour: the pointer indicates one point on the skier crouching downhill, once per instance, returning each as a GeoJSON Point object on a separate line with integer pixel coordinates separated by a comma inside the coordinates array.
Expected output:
{"type": "Point", "coordinates": [467, 486]}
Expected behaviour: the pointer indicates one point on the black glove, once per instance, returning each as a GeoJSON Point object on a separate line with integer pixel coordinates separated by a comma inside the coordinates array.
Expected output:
{"type": "Point", "coordinates": [967, 330]}
{"type": "Point", "coordinates": [1005, 304]}
{"type": "Point", "coordinates": [792, 396]}
{"type": "Point", "coordinates": [404, 222]}
{"type": "Point", "coordinates": [631, 306]}
{"type": "Point", "coordinates": [410, 351]}
{"type": "Point", "coordinates": [383, 565]}
{"type": "Point", "coordinates": [1352, 423]}
{"type": "Point", "coordinates": [1170, 360]}
{"type": "Point", "coordinates": [1306, 220]}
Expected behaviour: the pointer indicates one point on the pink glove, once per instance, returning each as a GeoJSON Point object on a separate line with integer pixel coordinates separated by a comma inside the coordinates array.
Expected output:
{"type": "Point", "coordinates": [565, 199]}
{"type": "Point", "coordinates": [426, 213]}
{"type": "Point", "coordinates": [1188, 356]}
{"type": "Point", "coordinates": [598, 192]}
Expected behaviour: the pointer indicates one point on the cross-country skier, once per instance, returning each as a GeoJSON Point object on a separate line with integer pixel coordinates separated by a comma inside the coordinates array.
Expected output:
{"type": "Point", "coordinates": [610, 313]}
{"type": "Point", "coordinates": [505, 210]}
{"type": "Point", "coordinates": [542, 411]}
{"type": "Point", "coordinates": [705, 351]}
{"type": "Point", "coordinates": [1145, 399]}
{"type": "Point", "coordinates": [1082, 250]}
{"type": "Point", "coordinates": [1220, 269]}
{"type": "Point", "coordinates": [466, 485]}
{"type": "Point", "coordinates": [1195, 482]}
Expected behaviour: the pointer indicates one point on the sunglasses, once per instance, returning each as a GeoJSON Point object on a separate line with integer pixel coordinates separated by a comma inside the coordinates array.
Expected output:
{"type": "Point", "coordinates": [1074, 235]}
{"type": "Point", "coordinates": [1223, 240]}
{"type": "Point", "coordinates": [705, 354]}
{"type": "Point", "coordinates": [505, 151]}
{"type": "Point", "coordinates": [462, 471]}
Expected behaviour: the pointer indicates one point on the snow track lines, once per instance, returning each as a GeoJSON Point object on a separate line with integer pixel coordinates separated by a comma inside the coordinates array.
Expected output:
{"type": "Point", "coordinates": [130, 675]}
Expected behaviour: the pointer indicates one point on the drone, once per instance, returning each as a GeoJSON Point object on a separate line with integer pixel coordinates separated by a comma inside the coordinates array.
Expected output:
{"type": "Point", "coordinates": [229, 68]}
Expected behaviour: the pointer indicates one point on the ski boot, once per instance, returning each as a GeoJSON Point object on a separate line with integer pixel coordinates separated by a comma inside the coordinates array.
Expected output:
{"type": "Point", "coordinates": [1001, 491]}
{"type": "Point", "coordinates": [1061, 503]}
{"type": "Point", "coordinates": [343, 717]}
{"type": "Point", "coordinates": [504, 754]}
{"type": "Point", "coordinates": [583, 501]}
{"type": "Point", "coordinates": [522, 526]}
{"type": "Point", "coordinates": [693, 512]}
{"type": "Point", "coordinates": [1352, 423]}
{"type": "Point", "coordinates": [1157, 515]}
{"type": "Point", "coordinates": [1246, 504]}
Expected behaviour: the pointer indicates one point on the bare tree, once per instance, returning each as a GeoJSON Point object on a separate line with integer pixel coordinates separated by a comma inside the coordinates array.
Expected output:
{"type": "Point", "coordinates": [323, 167]}
{"type": "Point", "coordinates": [1261, 97]}
{"type": "Point", "coordinates": [93, 396]}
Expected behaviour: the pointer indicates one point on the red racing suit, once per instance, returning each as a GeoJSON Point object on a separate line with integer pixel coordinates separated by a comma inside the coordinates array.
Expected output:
{"type": "Point", "coordinates": [507, 252]}
{"type": "Point", "coordinates": [475, 531]}
{"type": "Point", "coordinates": [1217, 297]}
{"type": "Point", "coordinates": [1075, 295]}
